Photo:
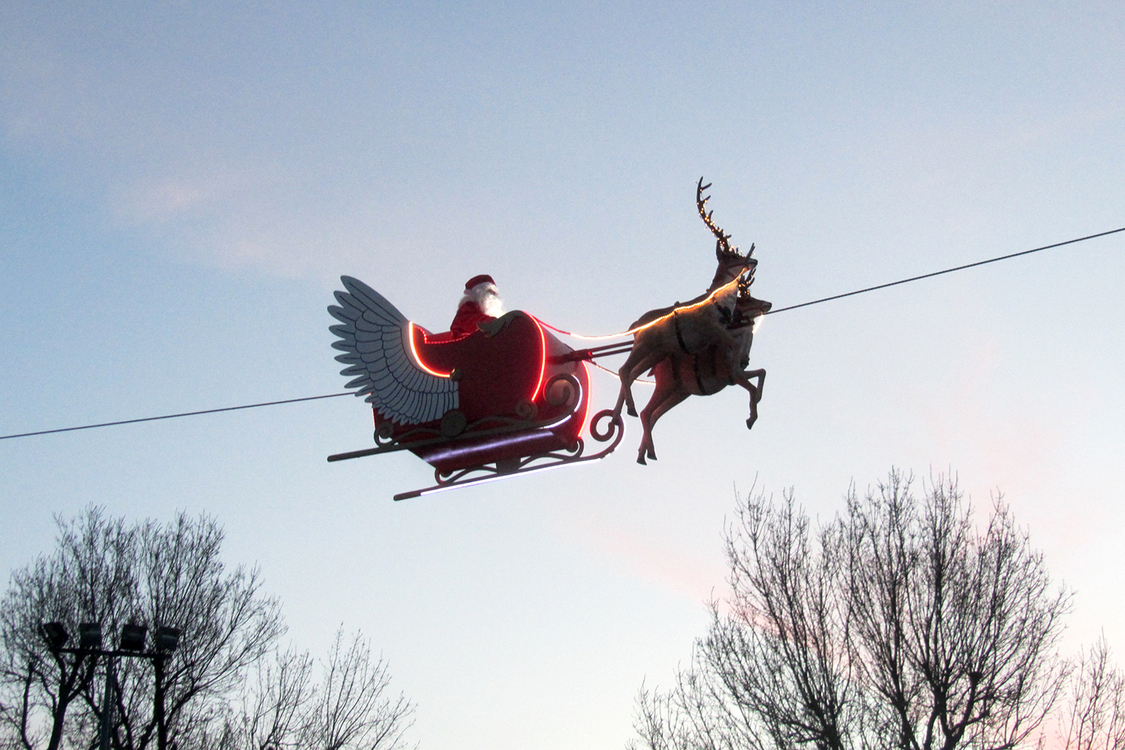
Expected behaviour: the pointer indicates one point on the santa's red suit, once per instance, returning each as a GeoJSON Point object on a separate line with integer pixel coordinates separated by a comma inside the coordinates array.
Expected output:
{"type": "Point", "coordinates": [469, 313]}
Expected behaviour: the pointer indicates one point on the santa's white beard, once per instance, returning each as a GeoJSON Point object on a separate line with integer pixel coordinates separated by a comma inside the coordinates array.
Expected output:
{"type": "Point", "coordinates": [487, 297]}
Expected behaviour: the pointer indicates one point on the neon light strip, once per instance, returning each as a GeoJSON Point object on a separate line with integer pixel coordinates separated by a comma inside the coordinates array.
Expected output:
{"type": "Point", "coordinates": [417, 359]}
{"type": "Point", "coordinates": [542, 357]}
{"type": "Point", "coordinates": [651, 323]}
{"type": "Point", "coordinates": [586, 405]}
{"type": "Point", "coordinates": [485, 480]}
{"type": "Point", "coordinates": [567, 416]}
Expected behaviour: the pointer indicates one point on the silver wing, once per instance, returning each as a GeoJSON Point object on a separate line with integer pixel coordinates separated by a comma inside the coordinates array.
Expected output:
{"type": "Point", "coordinates": [374, 337]}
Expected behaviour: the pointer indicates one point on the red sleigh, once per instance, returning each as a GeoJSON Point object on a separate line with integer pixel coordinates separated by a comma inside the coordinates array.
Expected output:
{"type": "Point", "coordinates": [475, 407]}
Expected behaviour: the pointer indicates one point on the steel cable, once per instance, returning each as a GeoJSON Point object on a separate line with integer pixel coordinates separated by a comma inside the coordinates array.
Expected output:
{"type": "Point", "coordinates": [567, 333]}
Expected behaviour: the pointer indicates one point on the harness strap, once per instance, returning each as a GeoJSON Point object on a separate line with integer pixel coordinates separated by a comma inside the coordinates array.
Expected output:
{"type": "Point", "coordinates": [724, 313]}
{"type": "Point", "coordinates": [699, 378]}
{"type": "Point", "coordinates": [679, 334]}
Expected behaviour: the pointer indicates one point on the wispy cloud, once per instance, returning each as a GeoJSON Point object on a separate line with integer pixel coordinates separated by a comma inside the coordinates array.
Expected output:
{"type": "Point", "coordinates": [162, 201]}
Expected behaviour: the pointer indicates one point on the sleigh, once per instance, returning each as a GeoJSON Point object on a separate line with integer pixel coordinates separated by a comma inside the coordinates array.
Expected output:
{"type": "Point", "coordinates": [476, 406]}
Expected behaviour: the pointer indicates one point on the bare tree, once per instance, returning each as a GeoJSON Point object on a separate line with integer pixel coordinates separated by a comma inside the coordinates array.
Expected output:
{"type": "Point", "coordinates": [1094, 717]}
{"type": "Point", "coordinates": [272, 714]}
{"type": "Point", "coordinates": [85, 580]}
{"type": "Point", "coordinates": [697, 714]}
{"type": "Point", "coordinates": [104, 571]}
{"type": "Point", "coordinates": [897, 625]}
{"type": "Point", "coordinates": [350, 709]}
{"type": "Point", "coordinates": [227, 625]}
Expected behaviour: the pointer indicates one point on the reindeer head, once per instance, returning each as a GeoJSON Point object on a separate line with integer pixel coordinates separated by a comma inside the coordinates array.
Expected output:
{"type": "Point", "coordinates": [748, 309]}
{"type": "Point", "coordinates": [732, 263]}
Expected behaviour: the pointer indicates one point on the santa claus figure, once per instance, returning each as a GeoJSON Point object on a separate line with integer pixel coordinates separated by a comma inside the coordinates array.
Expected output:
{"type": "Point", "coordinates": [480, 303]}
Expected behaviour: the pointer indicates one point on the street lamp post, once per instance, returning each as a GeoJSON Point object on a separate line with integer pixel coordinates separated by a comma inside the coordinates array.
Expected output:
{"type": "Point", "coordinates": [131, 644]}
{"type": "Point", "coordinates": [106, 726]}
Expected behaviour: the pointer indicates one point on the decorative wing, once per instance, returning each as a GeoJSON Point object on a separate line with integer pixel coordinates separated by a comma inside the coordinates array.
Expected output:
{"type": "Point", "coordinates": [375, 339]}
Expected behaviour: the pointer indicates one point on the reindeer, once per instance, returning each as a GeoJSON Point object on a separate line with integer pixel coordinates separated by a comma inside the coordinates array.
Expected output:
{"type": "Point", "coordinates": [710, 370]}
{"type": "Point", "coordinates": [687, 328]}
{"type": "Point", "coordinates": [732, 264]}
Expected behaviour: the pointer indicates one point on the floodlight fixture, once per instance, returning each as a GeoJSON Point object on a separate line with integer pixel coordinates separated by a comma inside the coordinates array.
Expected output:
{"type": "Point", "coordinates": [55, 634]}
{"type": "Point", "coordinates": [132, 637]}
{"type": "Point", "coordinates": [89, 635]}
{"type": "Point", "coordinates": [166, 639]}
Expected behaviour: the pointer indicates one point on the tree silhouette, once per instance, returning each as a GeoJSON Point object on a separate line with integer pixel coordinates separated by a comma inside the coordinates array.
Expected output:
{"type": "Point", "coordinates": [227, 684]}
{"type": "Point", "coordinates": [897, 625]}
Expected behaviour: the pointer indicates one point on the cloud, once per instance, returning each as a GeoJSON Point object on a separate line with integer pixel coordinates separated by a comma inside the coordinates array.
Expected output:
{"type": "Point", "coordinates": [239, 219]}
{"type": "Point", "coordinates": [162, 201]}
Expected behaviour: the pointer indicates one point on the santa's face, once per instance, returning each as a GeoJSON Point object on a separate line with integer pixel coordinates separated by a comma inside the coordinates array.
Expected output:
{"type": "Point", "coordinates": [487, 296]}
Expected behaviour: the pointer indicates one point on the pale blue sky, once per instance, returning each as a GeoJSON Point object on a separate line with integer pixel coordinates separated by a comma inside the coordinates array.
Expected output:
{"type": "Point", "coordinates": [182, 184]}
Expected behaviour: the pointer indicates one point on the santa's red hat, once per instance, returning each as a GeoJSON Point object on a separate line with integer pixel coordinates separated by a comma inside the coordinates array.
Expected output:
{"type": "Point", "coordinates": [483, 278]}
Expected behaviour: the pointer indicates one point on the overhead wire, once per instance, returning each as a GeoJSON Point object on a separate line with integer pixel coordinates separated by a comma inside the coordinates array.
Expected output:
{"type": "Point", "coordinates": [566, 333]}
{"type": "Point", "coordinates": [174, 416]}
{"type": "Point", "coordinates": [945, 271]}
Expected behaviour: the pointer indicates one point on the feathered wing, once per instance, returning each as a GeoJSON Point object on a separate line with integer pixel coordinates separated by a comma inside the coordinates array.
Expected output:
{"type": "Point", "coordinates": [374, 338]}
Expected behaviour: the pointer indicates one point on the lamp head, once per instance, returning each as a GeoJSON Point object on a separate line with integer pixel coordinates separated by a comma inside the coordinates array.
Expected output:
{"type": "Point", "coordinates": [55, 634]}
{"type": "Point", "coordinates": [89, 635]}
{"type": "Point", "coordinates": [132, 637]}
{"type": "Point", "coordinates": [166, 639]}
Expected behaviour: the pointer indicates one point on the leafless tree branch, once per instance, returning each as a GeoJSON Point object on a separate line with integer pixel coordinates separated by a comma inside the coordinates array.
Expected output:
{"type": "Point", "coordinates": [895, 625]}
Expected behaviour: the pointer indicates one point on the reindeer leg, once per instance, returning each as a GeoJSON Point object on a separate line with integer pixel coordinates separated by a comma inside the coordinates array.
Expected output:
{"type": "Point", "coordinates": [743, 379]}
{"type": "Point", "coordinates": [651, 414]}
{"type": "Point", "coordinates": [624, 395]}
{"type": "Point", "coordinates": [669, 392]}
{"type": "Point", "coordinates": [646, 447]}
{"type": "Point", "coordinates": [628, 373]}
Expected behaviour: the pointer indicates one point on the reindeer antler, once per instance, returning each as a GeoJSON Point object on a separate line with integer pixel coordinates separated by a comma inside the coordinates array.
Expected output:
{"type": "Point", "coordinates": [722, 239]}
{"type": "Point", "coordinates": [746, 279]}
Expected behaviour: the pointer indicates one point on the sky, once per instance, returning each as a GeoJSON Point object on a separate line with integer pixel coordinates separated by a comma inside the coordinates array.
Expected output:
{"type": "Point", "coordinates": [183, 183]}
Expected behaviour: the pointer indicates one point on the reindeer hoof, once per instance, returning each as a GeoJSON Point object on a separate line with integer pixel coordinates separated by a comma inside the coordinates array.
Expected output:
{"type": "Point", "coordinates": [632, 410]}
{"type": "Point", "coordinates": [641, 459]}
{"type": "Point", "coordinates": [750, 423]}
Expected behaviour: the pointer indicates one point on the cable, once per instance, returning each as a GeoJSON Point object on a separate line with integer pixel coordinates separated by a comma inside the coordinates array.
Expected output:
{"type": "Point", "coordinates": [771, 312]}
{"type": "Point", "coordinates": [174, 416]}
{"type": "Point", "coordinates": [615, 374]}
{"type": "Point", "coordinates": [948, 270]}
